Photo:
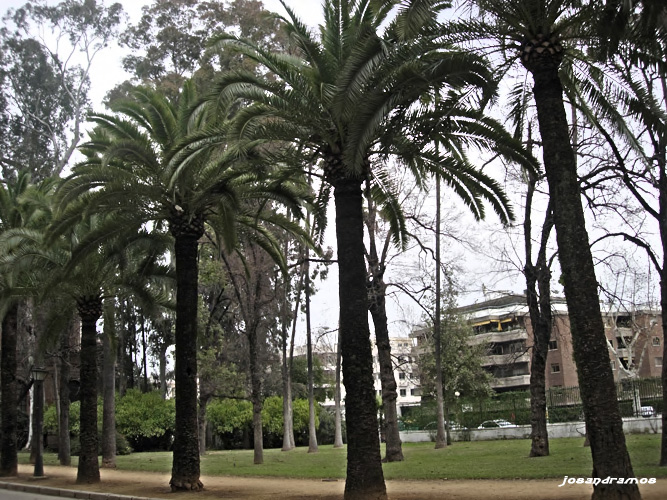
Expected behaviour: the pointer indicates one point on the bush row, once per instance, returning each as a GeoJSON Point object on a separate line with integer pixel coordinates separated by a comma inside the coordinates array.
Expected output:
{"type": "Point", "coordinates": [145, 422]}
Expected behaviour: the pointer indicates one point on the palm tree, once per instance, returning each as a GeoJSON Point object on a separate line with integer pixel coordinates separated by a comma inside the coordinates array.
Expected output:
{"type": "Point", "coordinates": [19, 209]}
{"type": "Point", "coordinates": [537, 31]}
{"type": "Point", "coordinates": [79, 278]}
{"type": "Point", "coordinates": [141, 165]}
{"type": "Point", "coordinates": [334, 98]}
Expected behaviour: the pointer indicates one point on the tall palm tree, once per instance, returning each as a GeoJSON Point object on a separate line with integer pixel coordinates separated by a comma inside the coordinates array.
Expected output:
{"type": "Point", "coordinates": [335, 97]}
{"type": "Point", "coordinates": [142, 165]}
{"type": "Point", "coordinates": [536, 33]}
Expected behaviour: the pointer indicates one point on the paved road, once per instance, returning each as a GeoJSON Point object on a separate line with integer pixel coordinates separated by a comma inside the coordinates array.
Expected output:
{"type": "Point", "coordinates": [19, 495]}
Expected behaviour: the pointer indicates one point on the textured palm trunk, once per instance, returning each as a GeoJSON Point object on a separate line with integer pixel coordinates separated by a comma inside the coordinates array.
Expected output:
{"type": "Point", "coordinates": [64, 455]}
{"type": "Point", "coordinates": [185, 471]}
{"type": "Point", "coordinates": [598, 392]}
{"type": "Point", "coordinates": [90, 310]}
{"type": "Point", "coordinates": [394, 449]}
{"type": "Point", "coordinates": [365, 479]}
{"type": "Point", "coordinates": [109, 387]}
{"type": "Point", "coordinates": [8, 393]}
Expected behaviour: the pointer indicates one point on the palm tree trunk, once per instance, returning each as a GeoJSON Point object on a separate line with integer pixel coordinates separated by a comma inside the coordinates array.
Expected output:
{"type": "Point", "coordinates": [365, 479]}
{"type": "Point", "coordinates": [596, 382]}
{"type": "Point", "coordinates": [8, 388]}
{"type": "Point", "coordinates": [64, 456]}
{"type": "Point", "coordinates": [109, 386]}
{"type": "Point", "coordinates": [90, 310]}
{"type": "Point", "coordinates": [185, 471]}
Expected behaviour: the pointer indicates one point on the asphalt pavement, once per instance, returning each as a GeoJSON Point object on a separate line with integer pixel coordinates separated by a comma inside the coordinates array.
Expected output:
{"type": "Point", "coordinates": [19, 491]}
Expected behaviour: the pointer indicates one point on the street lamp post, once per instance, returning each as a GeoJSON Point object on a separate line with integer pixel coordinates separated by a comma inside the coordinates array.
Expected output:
{"type": "Point", "coordinates": [38, 375]}
{"type": "Point", "coordinates": [458, 410]}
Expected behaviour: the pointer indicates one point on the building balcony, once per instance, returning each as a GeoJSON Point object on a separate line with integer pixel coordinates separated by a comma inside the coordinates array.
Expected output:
{"type": "Point", "coordinates": [505, 359]}
{"type": "Point", "coordinates": [497, 337]}
{"type": "Point", "coordinates": [516, 381]}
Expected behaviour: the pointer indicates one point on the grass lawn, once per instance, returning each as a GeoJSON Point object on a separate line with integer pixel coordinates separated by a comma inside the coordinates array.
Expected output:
{"type": "Point", "coordinates": [505, 459]}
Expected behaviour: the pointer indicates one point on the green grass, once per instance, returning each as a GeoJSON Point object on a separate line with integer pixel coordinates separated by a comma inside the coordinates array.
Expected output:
{"type": "Point", "coordinates": [506, 459]}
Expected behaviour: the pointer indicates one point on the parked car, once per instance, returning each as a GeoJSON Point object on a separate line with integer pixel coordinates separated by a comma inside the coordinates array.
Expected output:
{"type": "Point", "coordinates": [453, 426]}
{"type": "Point", "coordinates": [647, 411]}
{"type": "Point", "coordinates": [490, 424]}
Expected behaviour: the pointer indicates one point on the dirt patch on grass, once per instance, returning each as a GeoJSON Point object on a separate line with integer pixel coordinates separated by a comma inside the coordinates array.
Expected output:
{"type": "Point", "coordinates": [155, 485]}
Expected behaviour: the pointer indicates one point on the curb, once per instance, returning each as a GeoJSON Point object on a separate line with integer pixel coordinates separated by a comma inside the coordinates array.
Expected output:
{"type": "Point", "coordinates": [66, 493]}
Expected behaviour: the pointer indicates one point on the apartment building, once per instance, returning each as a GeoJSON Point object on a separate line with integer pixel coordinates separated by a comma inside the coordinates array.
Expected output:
{"type": "Point", "coordinates": [503, 324]}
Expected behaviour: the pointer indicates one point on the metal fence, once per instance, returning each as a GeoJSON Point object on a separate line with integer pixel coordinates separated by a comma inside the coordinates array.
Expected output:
{"type": "Point", "coordinates": [563, 405]}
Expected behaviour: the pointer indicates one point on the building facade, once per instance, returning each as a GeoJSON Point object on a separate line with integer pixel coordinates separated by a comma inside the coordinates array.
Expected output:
{"type": "Point", "coordinates": [405, 370]}
{"type": "Point", "coordinates": [503, 324]}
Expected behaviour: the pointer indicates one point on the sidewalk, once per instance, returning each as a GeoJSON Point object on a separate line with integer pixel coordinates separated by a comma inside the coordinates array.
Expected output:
{"type": "Point", "coordinates": [130, 485]}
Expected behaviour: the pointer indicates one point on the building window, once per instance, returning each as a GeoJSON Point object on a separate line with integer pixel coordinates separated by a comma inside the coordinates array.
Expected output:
{"type": "Point", "coordinates": [553, 345]}
{"type": "Point", "coordinates": [658, 361]}
{"type": "Point", "coordinates": [613, 365]}
{"type": "Point", "coordinates": [401, 375]}
{"type": "Point", "coordinates": [656, 341]}
{"type": "Point", "coordinates": [555, 368]}
{"type": "Point", "coordinates": [403, 392]}
{"type": "Point", "coordinates": [413, 392]}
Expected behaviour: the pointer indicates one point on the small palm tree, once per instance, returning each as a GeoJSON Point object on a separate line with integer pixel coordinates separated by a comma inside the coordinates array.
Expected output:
{"type": "Point", "coordinates": [142, 165]}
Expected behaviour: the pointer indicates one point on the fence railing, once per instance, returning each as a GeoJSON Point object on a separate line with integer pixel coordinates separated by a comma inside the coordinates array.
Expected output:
{"type": "Point", "coordinates": [563, 405]}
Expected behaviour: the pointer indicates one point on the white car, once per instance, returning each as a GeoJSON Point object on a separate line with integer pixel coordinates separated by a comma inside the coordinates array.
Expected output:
{"type": "Point", "coordinates": [646, 411]}
{"type": "Point", "coordinates": [490, 424]}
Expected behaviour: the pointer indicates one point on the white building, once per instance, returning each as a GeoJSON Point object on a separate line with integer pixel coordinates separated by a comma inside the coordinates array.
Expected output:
{"type": "Point", "coordinates": [408, 390]}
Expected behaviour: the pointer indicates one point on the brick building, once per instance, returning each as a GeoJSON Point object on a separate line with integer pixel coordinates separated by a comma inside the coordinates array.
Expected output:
{"type": "Point", "coordinates": [503, 323]}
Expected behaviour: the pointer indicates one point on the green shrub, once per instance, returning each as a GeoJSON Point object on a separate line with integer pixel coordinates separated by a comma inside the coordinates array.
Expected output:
{"type": "Point", "coordinates": [231, 421]}
{"type": "Point", "coordinates": [146, 420]}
